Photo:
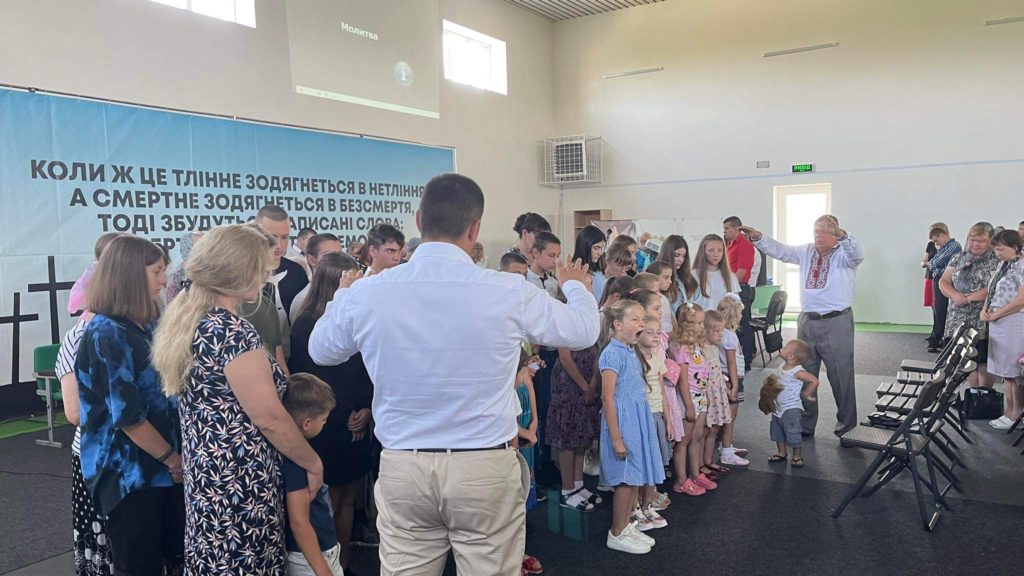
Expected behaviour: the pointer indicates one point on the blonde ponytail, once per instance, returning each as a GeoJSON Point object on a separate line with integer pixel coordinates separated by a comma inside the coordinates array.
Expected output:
{"type": "Point", "coordinates": [229, 261]}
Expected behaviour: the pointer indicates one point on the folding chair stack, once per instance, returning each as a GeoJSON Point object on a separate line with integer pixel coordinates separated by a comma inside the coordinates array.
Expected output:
{"type": "Point", "coordinates": [919, 430]}
{"type": "Point", "coordinates": [896, 398]}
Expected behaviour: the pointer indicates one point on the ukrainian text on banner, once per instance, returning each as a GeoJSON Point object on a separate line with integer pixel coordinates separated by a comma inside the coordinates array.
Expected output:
{"type": "Point", "coordinates": [72, 169]}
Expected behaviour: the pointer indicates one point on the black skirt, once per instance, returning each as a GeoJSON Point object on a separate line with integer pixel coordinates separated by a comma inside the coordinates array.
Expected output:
{"type": "Point", "coordinates": [344, 461]}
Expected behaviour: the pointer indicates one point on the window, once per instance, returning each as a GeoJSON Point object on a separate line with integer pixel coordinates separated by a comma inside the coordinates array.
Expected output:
{"type": "Point", "coordinates": [796, 209]}
{"type": "Point", "coordinates": [238, 11]}
{"type": "Point", "coordinates": [473, 58]}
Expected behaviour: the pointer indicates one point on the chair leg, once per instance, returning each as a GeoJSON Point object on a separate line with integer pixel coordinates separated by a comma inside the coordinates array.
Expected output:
{"type": "Point", "coordinates": [960, 427]}
{"type": "Point", "coordinates": [948, 473]}
{"type": "Point", "coordinates": [918, 488]}
{"type": "Point", "coordinates": [763, 346]}
{"type": "Point", "coordinates": [861, 482]}
{"type": "Point", "coordinates": [947, 449]}
{"type": "Point", "coordinates": [893, 471]}
{"type": "Point", "coordinates": [939, 498]}
{"type": "Point", "coordinates": [50, 442]}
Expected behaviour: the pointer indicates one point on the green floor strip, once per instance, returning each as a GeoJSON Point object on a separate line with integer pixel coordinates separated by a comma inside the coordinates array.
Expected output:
{"type": "Point", "coordinates": [29, 425]}
{"type": "Point", "coordinates": [789, 321]}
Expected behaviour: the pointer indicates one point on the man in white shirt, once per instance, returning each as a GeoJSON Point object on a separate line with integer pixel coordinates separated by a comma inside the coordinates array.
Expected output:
{"type": "Point", "coordinates": [829, 271]}
{"type": "Point", "coordinates": [440, 338]}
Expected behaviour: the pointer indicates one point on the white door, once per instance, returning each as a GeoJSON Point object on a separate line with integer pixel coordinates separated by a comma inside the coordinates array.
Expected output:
{"type": "Point", "coordinates": [796, 209]}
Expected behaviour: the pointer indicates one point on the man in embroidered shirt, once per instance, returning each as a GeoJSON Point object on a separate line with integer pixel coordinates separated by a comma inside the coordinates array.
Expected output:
{"type": "Point", "coordinates": [829, 269]}
{"type": "Point", "coordinates": [441, 339]}
{"type": "Point", "coordinates": [741, 260]}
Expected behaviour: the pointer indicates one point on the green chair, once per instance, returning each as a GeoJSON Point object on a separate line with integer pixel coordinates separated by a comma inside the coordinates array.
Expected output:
{"type": "Point", "coordinates": [44, 363]}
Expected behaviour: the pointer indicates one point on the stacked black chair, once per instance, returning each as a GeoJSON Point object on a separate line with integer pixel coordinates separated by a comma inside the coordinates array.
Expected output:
{"type": "Point", "coordinates": [897, 397]}
{"type": "Point", "coordinates": [925, 367]}
{"type": "Point", "coordinates": [769, 326]}
{"type": "Point", "coordinates": [903, 448]}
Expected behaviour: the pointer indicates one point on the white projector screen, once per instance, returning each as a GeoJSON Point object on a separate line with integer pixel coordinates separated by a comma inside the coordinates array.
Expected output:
{"type": "Point", "coordinates": [379, 53]}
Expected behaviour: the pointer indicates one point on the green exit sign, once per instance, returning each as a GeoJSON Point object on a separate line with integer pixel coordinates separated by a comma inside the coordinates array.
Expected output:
{"type": "Point", "coordinates": [803, 167]}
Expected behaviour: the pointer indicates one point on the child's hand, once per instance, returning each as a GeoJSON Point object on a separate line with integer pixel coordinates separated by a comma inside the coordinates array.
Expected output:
{"type": "Point", "coordinates": [590, 394]}
{"type": "Point", "coordinates": [734, 395]}
{"type": "Point", "coordinates": [529, 438]}
{"type": "Point", "coordinates": [619, 448]}
{"type": "Point", "coordinates": [690, 417]}
{"type": "Point", "coordinates": [811, 397]}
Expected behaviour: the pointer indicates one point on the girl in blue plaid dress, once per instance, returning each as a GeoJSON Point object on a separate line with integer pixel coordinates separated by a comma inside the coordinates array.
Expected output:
{"type": "Point", "coordinates": [629, 457]}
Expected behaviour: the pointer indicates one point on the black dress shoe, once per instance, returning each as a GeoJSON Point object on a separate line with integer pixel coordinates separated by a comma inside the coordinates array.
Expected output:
{"type": "Point", "coordinates": [807, 434]}
{"type": "Point", "coordinates": [932, 349]}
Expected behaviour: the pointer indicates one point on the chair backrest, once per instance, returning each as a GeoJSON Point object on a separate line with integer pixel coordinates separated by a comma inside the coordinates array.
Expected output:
{"type": "Point", "coordinates": [776, 308]}
{"type": "Point", "coordinates": [961, 331]}
{"type": "Point", "coordinates": [948, 397]}
{"type": "Point", "coordinates": [44, 358]}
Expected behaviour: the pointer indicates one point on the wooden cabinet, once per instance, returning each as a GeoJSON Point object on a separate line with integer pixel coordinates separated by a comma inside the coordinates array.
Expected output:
{"type": "Point", "coordinates": [581, 218]}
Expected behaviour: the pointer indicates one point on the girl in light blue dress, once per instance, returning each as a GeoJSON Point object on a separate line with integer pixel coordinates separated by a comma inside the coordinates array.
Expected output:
{"type": "Point", "coordinates": [629, 457]}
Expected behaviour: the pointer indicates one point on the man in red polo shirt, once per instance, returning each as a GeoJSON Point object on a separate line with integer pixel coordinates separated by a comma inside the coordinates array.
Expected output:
{"type": "Point", "coordinates": [741, 260]}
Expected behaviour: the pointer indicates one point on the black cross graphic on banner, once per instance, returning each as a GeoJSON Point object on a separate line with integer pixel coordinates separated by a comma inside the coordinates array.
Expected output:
{"type": "Point", "coordinates": [52, 286]}
{"type": "Point", "coordinates": [15, 320]}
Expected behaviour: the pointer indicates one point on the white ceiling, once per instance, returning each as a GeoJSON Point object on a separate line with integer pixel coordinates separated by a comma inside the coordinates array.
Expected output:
{"type": "Point", "coordinates": [555, 10]}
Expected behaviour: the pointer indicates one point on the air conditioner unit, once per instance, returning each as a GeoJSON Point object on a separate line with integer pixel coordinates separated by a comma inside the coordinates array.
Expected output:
{"type": "Point", "coordinates": [570, 160]}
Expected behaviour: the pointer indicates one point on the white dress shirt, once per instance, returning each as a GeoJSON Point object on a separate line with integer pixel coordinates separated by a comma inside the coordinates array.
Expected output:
{"type": "Point", "coordinates": [755, 272]}
{"type": "Point", "coordinates": [440, 338]}
{"type": "Point", "coordinates": [835, 287]}
{"type": "Point", "coordinates": [297, 303]}
{"type": "Point", "coordinates": [547, 282]}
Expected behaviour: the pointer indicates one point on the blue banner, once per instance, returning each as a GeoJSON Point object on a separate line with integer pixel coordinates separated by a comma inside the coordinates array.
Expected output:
{"type": "Point", "coordinates": [72, 169]}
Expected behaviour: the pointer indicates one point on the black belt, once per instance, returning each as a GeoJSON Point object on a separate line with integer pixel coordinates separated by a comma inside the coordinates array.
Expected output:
{"type": "Point", "coordinates": [502, 446]}
{"type": "Point", "coordinates": [827, 315]}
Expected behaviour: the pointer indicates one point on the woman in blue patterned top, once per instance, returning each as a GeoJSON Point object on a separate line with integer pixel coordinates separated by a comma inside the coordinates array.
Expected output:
{"type": "Point", "coordinates": [130, 430]}
{"type": "Point", "coordinates": [234, 427]}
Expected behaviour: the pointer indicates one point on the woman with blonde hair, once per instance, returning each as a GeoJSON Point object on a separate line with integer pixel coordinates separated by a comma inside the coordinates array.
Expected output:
{"type": "Point", "coordinates": [965, 283]}
{"type": "Point", "coordinates": [233, 423]}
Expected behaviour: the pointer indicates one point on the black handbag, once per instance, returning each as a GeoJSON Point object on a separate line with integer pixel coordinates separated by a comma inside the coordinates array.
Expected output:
{"type": "Point", "coordinates": [772, 342]}
{"type": "Point", "coordinates": [981, 404]}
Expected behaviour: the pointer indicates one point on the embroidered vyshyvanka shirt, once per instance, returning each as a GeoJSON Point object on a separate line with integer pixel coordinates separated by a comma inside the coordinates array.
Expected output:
{"type": "Point", "coordinates": [830, 280]}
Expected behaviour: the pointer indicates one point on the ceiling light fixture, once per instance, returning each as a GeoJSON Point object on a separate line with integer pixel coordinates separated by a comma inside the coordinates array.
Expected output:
{"type": "Point", "coordinates": [1004, 21]}
{"type": "Point", "coordinates": [801, 49]}
{"type": "Point", "coordinates": [633, 72]}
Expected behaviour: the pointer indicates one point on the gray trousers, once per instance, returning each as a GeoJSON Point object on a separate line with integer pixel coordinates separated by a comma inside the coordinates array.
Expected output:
{"type": "Point", "coordinates": [831, 341]}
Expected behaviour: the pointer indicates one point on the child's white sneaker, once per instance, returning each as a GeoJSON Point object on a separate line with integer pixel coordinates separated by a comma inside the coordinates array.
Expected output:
{"type": "Point", "coordinates": [656, 520]}
{"type": "Point", "coordinates": [627, 542]}
{"type": "Point", "coordinates": [730, 457]}
{"type": "Point", "coordinates": [640, 536]}
{"type": "Point", "coordinates": [643, 523]}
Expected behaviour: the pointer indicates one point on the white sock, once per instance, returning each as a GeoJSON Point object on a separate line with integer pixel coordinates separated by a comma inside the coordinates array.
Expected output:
{"type": "Point", "coordinates": [575, 500]}
{"type": "Point", "coordinates": [567, 492]}
{"type": "Point", "coordinates": [578, 484]}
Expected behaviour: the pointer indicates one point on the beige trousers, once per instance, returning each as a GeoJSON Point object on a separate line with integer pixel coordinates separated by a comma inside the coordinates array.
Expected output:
{"type": "Point", "coordinates": [472, 503]}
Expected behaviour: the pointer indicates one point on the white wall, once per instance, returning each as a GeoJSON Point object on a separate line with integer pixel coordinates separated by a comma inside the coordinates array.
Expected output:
{"type": "Point", "coordinates": [143, 52]}
{"type": "Point", "coordinates": [914, 118]}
